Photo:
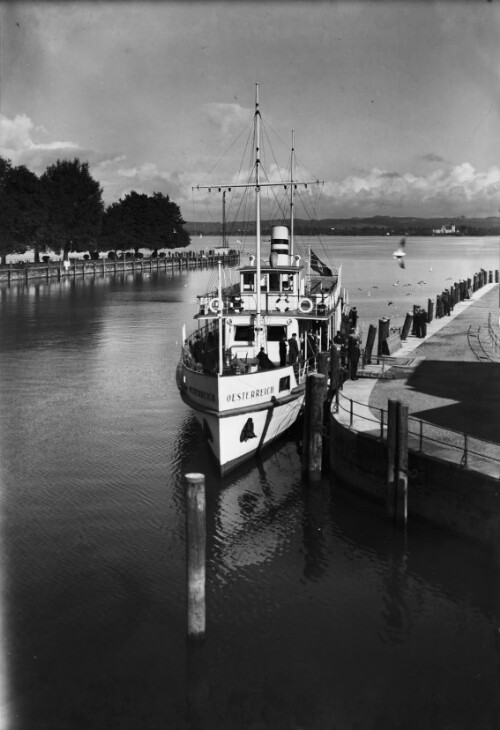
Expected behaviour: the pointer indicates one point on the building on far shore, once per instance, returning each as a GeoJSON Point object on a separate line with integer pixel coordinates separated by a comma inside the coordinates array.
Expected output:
{"type": "Point", "coordinates": [445, 231]}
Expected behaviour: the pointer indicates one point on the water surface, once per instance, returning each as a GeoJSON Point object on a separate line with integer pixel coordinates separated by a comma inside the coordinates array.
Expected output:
{"type": "Point", "coordinates": [320, 614]}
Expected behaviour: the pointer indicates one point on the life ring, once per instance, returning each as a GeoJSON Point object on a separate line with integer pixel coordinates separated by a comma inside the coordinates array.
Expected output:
{"type": "Point", "coordinates": [282, 304]}
{"type": "Point", "coordinates": [305, 306]}
{"type": "Point", "coordinates": [215, 305]}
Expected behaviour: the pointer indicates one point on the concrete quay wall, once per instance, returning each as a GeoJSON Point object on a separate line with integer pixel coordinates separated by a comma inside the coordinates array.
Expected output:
{"type": "Point", "coordinates": [441, 492]}
{"type": "Point", "coordinates": [454, 470]}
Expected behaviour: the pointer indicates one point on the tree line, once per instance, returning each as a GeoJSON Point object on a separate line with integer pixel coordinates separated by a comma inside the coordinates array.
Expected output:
{"type": "Point", "coordinates": [63, 210]}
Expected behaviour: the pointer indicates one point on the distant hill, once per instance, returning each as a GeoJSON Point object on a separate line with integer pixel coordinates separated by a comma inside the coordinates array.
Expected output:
{"type": "Point", "coordinates": [374, 226]}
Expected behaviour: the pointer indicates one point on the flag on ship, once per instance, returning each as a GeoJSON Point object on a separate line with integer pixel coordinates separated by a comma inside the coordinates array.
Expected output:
{"type": "Point", "coordinates": [318, 266]}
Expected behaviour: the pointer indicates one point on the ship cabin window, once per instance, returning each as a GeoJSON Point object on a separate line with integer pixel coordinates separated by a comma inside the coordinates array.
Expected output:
{"type": "Point", "coordinates": [287, 282]}
{"type": "Point", "coordinates": [244, 333]}
{"type": "Point", "coordinates": [285, 383]}
{"type": "Point", "coordinates": [264, 282]}
{"type": "Point", "coordinates": [248, 281]}
{"type": "Point", "coordinates": [275, 333]}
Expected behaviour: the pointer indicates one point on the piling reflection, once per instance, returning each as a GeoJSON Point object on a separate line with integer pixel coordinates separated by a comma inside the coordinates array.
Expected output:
{"type": "Point", "coordinates": [316, 511]}
{"type": "Point", "coordinates": [198, 688]}
{"type": "Point", "coordinates": [396, 613]}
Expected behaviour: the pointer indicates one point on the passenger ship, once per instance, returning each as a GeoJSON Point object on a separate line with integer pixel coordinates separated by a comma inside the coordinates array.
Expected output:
{"type": "Point", "coordinates": [243, 390]}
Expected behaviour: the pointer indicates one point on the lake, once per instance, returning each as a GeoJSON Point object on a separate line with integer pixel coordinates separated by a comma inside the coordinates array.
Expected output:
{"type": "Point", "coordinates": [320, 614]}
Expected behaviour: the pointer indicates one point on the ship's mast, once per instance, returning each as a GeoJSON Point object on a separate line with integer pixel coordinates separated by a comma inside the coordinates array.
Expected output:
{"type": "Point", "coordinates": [258, 314]}
{"type": "Point", "coordinates": [221, 322]}
{"type": "Point", "coordinates": [292, 189]}
{"type": "Point", "coordinates": [224, 242]}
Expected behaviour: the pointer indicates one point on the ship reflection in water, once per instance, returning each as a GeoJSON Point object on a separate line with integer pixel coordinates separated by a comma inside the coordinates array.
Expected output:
{"type": "Point", "coordinates": [320, 614]}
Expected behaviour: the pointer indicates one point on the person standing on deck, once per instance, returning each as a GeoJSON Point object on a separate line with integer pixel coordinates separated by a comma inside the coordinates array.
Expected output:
{"type": "Point", "coordinates": [283, 351]}
{"type": "Point", "coordinates": [198, 349]}
{"type": "Point", "coordinates": [293, 349]}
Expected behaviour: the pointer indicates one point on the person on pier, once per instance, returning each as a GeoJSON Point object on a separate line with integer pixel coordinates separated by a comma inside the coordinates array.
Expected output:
{"type": "Point", "coordinates": [354, 353]}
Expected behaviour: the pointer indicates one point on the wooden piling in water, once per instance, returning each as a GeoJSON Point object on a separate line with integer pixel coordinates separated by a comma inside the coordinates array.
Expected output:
{"type": "Point", "coordinates": [312, 438]}
{"type": "Point", "coordinates": [196, 549]}
{"type": "Point", "coordinates": [392, 407]}
{"type": "Point", "coordinates": [402, 464]}
{"type": "Point", "coordinates": [322, 361]}
{"type": "Point", "coordinates": [397, 462]}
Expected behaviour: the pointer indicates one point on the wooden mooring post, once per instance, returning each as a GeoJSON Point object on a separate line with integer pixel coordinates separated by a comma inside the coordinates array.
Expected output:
{"type": "Point", "coordinates": [334, 372]}
{"type": "Point", "coordinates": [370, 341]}
{"type": "Point", "coordinates": [196, 558]}
{"type": "Point", "coordinates": [312, 436]}
{"type": "Point", "coordinates": [407, 326]}
{"type": "Point", "coordinates": [392, 407]}
{"type": "Point", "coordinates": [402, 465]}
{"type": "Point", "coordinates": [397, 462]}
{"type": "Point", "coordinates": [384, 325]}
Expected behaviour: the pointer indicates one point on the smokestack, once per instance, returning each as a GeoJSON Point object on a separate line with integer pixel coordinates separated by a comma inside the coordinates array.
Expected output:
{"type": "Point", "coordinates": [280, 247]}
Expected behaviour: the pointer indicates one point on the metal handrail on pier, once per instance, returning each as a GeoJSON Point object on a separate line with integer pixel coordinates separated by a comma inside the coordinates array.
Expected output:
{"type": "Point", "coordinates": [444, 444]}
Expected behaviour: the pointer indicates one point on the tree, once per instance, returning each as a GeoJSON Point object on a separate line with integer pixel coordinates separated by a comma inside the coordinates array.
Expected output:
{"type": "Point", "coordinates": [73, 201]}
{"type": "Point", "coordinates": [5, 167]}
{"type": "Point", "coordinates": [22, 219]}
{"type": "Point", "coordinates": [140, 220]}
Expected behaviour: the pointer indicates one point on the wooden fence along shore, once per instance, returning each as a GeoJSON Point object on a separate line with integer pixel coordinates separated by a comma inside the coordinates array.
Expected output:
{"type": "Point", "coordinates": [79, 267]}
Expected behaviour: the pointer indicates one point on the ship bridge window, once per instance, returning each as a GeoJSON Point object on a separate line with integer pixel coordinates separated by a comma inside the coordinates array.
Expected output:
{"type": "Point", "coordinates": [243, 333]}
{"type": "Point", "coordinates": [274, 282]}
{"type": "Point", "coordinates": [275, 333]}
{"type": "Point", "coordinates": [248, 281]}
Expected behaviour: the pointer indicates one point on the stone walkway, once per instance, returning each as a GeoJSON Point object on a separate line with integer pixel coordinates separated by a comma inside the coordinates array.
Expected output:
{"type": "Point", "coordinates": [452, 386]}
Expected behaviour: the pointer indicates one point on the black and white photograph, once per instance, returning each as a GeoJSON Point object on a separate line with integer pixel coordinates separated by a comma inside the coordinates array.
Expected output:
{"type": "Point", "coordinates": [249, 365]}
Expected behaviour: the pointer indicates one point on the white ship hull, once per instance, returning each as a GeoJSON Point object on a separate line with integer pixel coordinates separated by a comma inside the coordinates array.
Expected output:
{"type": "Point", "coordinates": [237, 432]}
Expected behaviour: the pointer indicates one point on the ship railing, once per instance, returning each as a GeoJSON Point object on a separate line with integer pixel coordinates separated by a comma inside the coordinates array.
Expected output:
{"type": "Point", "coordinates": [444, 444]}
{"type": "Point", "coordinates": [208, 335]}
{"type": "Point", "coordinates": [285, 303]}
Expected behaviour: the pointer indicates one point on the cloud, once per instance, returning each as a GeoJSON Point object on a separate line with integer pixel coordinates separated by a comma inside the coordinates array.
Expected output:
{"type": "Point", "coordinates": [459, 190]}
{"type": "Point", "coordinates": [443, 191]}
{"type": "Point", "coordinates": [227, 118]}
{"type": "Point", "coordinates": [148, 178]}
{"type": "Point", "coordinates": [431, 157]}
{"type": "Point", "coordinates": [17, 143]}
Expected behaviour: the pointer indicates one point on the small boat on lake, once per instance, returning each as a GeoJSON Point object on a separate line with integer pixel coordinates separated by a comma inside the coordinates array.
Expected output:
{"type": "Point", "coordinates": [243, 370]}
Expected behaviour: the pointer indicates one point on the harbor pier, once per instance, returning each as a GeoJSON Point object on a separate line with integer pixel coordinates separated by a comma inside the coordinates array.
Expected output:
{"type": "Point", "coordinates": [449, 380]}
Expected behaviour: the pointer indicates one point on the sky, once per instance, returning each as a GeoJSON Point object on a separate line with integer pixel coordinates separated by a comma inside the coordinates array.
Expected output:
{"type": "Point", "coordinates": [394, 105]}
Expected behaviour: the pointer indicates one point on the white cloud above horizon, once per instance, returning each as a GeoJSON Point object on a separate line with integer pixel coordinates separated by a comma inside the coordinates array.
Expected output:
{"type": "Point", "coordinates": [443, 190]}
